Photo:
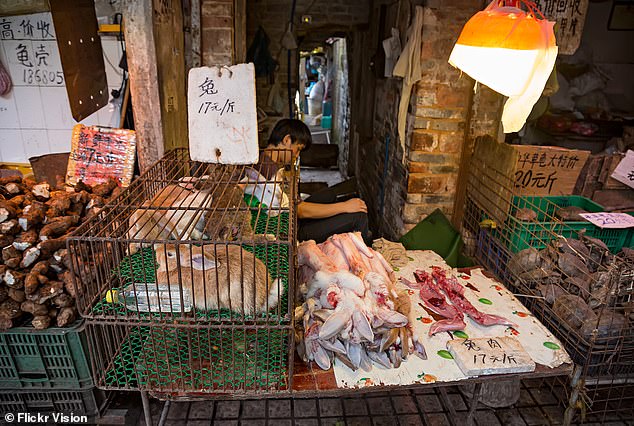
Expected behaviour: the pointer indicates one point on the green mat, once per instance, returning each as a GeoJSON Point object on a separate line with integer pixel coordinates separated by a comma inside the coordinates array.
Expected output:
{"type": "Point", "coordinates": [171, 358]}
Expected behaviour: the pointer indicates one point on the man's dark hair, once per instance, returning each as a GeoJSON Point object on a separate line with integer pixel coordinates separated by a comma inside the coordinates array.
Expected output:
{"type": "Point", "coordinates": [296, 129]}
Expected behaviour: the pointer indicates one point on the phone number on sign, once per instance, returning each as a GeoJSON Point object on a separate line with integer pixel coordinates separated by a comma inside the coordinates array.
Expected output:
{"type": "Point", "coordinates": [42, 76]}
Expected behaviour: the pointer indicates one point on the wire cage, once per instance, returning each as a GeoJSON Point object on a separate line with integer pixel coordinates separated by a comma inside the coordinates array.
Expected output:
{"type": "Point", "coordinates": [187, 279]}
{"type": "Point", "coordinates": [576, 278]}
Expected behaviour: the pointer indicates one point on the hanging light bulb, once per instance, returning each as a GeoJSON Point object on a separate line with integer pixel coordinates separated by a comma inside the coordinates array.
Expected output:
{"type": "Point", "coordinates": [509, 50]}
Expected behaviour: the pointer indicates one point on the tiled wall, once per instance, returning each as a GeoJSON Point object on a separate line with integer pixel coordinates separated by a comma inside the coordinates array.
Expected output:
{"type": "Point", "coordinates": [35, 117]}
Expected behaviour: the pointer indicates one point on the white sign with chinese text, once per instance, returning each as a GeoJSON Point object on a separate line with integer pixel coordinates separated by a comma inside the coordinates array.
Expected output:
{"type": "Point", "coordinates": [490, 355]}
{"type": "Point", "coordinates": [609, 220]}
{"type": "Point", "coordinates": [570, 16]}
{"type": "Point", "coordinates": [223, 126]}
{"type": "Point", "coordinates": [35, 116]}
{"type": "Point", "coordinates": [624, 172]}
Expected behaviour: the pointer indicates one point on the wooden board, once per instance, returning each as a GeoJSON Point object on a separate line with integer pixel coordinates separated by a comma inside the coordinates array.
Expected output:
{"type": "Point", "coordinates": [81, 55]}
{"type": "Point", "coordinates": [141, 55]}
{"type": "Point", "coordinates": [500, 171]}
{"type": "Point", "coordinates": [170, 62]}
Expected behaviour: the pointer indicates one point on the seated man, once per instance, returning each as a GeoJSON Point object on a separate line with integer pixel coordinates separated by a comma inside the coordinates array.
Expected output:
{"type": "Point", "coordinates": [319, 216]}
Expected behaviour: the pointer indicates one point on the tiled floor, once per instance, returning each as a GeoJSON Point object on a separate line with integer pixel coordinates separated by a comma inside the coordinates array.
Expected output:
{"type": "Point", "coordinates": [537, 405]}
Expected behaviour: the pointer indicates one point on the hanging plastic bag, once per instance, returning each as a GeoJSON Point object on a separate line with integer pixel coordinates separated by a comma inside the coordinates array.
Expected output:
{"type": "Point", "coordinates": [511, 51]}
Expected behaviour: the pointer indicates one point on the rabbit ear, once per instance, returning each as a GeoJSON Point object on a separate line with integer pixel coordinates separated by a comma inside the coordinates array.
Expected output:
{"type": "Point", "coordinates": [201, 262]}
{"type": "Point", "coordinates": [253, 175]}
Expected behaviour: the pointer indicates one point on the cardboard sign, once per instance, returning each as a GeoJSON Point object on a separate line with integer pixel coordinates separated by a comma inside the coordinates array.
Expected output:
{"type": "Point", "coordinates": [100, 153]}
{"type": "Point", "coordinates": [222, 115]}
{"type": "Point", "coordinates": [624, 172]}
{"type": "Point", "coordinates": [609, 220]}
{"type": "Point", "coordinates": [490, 355]}
{"type": "Point", "coordinates": [570, 16]}
{"type": "Point", "coordinates": [547, 170]}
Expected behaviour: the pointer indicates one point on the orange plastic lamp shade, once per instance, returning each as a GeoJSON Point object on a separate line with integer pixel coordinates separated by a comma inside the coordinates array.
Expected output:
{"type": "Point", "coordinates": [501, 47]}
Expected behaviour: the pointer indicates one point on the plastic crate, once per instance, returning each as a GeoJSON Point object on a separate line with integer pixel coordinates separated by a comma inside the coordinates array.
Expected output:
{"type": "Point", "coordinates": [54, 358]}
{"type": "Point", "coordinates": [521, 235]}
{"type": "Point", "coordinates": [88, 402]}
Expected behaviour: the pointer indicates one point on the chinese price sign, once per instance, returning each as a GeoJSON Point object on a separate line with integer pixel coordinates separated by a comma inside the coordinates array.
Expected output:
{"type": "Point", "coordinates": [490, 355]}
{"type": "Point", "coordinates": [100, 153]}
{"type": "Point", "coordinates": [570, 16]}
{"type": "Point", "coordinates": [609, 220]}
{"type": "Point", "coordinates": [624, 172]}
{"type": "Point", "coordinates": [222, 115]}
{"type": "Point", "coordinates": [547, 170]}
{"type": "Point", "coordinates": [31, 50]}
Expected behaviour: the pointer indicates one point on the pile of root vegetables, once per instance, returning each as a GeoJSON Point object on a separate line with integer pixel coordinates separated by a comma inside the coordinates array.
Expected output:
{"type": "Point", "coordinates": [35, 220]}
{"type": "Point", "coordinates": [352, 311]}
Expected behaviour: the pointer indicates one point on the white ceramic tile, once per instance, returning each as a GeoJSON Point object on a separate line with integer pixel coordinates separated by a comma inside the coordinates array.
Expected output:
{"type": "Point", "coordinates": [11, 147]}
{"type": "Point", "coordinates": [91, 120]}
{"type": "Point", "coordinates": [8, 112]}
{"type": "Point", "coordinates": [55, 103]}
{"type": "Point", "coordinates": [35, 143]}
{"type": "Point", "coordinates": [59, 140]}
{"type": "Point", "coordinates": [29, 105]}
{"type": "Point", "coordinates": [13, 49]}
{"type": "Point", "coordinates": [112, 56]}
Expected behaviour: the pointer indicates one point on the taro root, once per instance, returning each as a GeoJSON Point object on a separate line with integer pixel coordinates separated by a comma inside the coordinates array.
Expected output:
{"type": "Point", "coordinates": [41, 191]}
{"type": "Point", "coordinates": [63, 300]}
{"type": "Point", "coordinates": [14, 279]}
{"type": "Point", "coordinates": [47, 292]}
{"type": "Point", "coordinates": [66, 316]}
{"type": "Point", "coordinates": [10, 309]}
{"type": "Point", "coordinates": [105, 189]}
{"type": "Point", "coordinates": [34, 308]}
{"type": "Point", "coordinates": [41, 322]}
{"type": "Point", "coordinates": [4, 294]}
{"type": "Point", "coordinates": [48, 247]}
{"type": "Point", "coordinates": [6, 240]}
{"type": "Point", "coordinates": [17, 295]}
{"type": "Point", "coordinates": [29, 257]}
{"type": "Point", "coordinates": [58, 227]}
{"type": "Point", "coordinates": [8, 210]}
{"type": "Point", "coordinates": [10, 227]}
{"type": "Point", "coordinates": [81, 186]}
{"type": "Point", "coordinates": [25, 240]}
{"type": "Point", "coordinates": [32, 215]}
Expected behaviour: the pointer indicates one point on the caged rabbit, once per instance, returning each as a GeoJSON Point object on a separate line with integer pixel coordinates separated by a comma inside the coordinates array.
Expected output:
{"type": "Point", "coordinates": [222, 276]}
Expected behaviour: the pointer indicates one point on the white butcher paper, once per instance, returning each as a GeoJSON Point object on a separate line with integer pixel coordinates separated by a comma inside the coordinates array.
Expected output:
{"type": "Point", "coordinates": [222, 114]}
{"type": "Point", "coordinates": [529, 332]}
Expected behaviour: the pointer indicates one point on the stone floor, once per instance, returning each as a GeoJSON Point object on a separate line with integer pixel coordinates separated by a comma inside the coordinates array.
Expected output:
{"type": "Point", "coordinates": [537, 405]}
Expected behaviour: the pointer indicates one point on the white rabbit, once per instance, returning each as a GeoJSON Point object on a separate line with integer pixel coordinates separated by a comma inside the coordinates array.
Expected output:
{"type": "Point", "coordinates": [267, 192]}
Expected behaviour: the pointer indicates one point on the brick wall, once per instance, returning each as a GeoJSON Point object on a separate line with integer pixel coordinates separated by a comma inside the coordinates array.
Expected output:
{"type": "Point", "coordinates": [441, 106]}
{"type": "Point", "coordinates": [216, 22]}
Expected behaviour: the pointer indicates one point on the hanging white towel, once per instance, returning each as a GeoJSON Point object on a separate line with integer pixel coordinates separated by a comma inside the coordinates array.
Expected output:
{"type": "Point", "coordinates": [408, 67]}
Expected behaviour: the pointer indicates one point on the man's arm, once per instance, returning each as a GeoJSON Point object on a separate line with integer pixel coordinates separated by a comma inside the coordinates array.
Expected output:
{"type": "Point", "coordinates": [307, 210]}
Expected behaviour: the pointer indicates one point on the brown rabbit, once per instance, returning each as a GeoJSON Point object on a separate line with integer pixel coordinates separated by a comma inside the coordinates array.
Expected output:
{"type": "Point", "coordinates": [219, 275]}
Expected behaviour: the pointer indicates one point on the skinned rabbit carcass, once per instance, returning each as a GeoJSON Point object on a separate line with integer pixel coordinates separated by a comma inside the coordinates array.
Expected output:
{"type": "Point", "coordinates": [357, 321]}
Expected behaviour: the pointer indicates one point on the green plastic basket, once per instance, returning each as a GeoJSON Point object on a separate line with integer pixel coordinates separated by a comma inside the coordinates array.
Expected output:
{"type": "Point", "coordinates": [88, 402]}
{"type": "Point", "coordinates": [521, 235]}
{"type": "Point", "coordinates": [54, 358]}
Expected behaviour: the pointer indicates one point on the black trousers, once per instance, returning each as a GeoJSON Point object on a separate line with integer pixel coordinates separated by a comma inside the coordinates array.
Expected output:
{"type": "Point", "coordinates": [320, 229]}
